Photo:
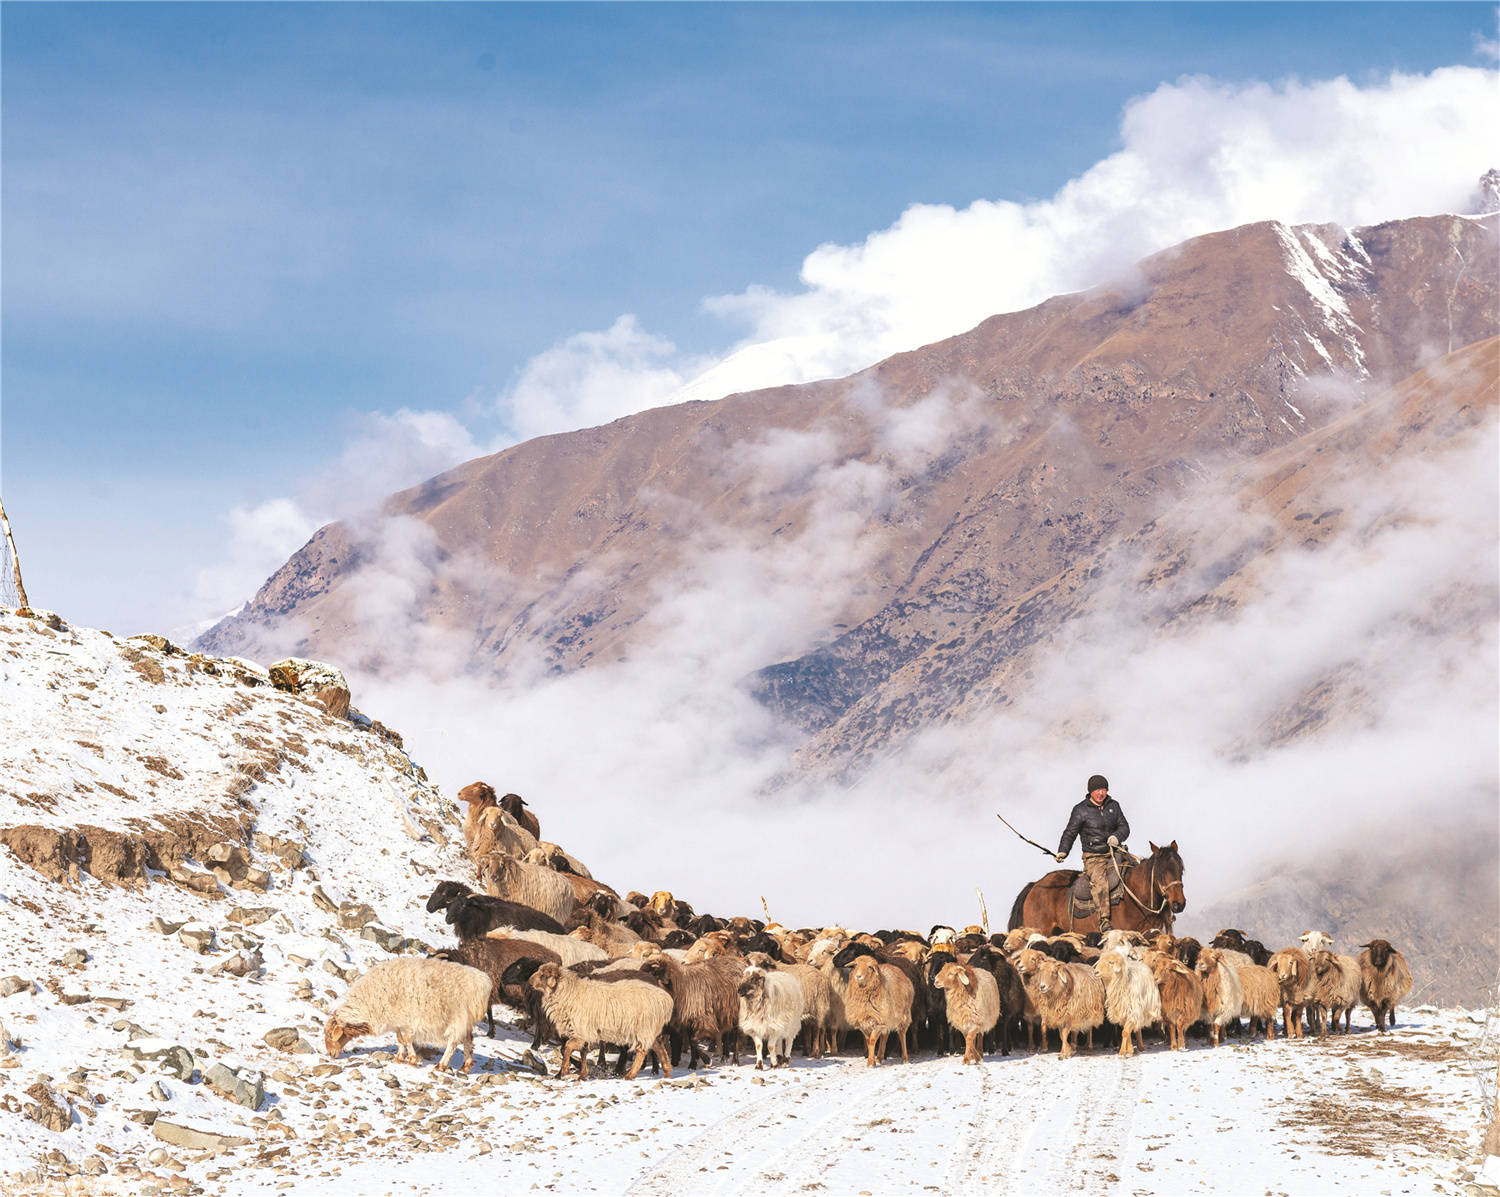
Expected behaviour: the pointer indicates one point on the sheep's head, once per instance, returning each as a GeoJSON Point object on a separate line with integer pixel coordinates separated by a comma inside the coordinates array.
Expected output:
{"type": "Point", "coordinates": [753, 985]}
{"type": "Point", "coordinates": [1317, 941]}
{"type": "Point", "coordinates": [762, 960]}
{"type": "Point", "coordinates": [661, 902]}
{"type": "Point", "coordinates": [954, 977]}
{"type": "Point", "coordinates": [1322, 962]}
{"type": "Point", "coordinates": [445, 893]}
{"type": "Point", "coordinates": [1230, 937]}
{"type": "Point", "coordinates": [1029, 962]}
{"type": "Point", "coordinates": [511, 804]}
{"type": "Point", "coordinates": [1208, 960]}
{"type": "Point", "coordinates": [538, 856]}
{"type": "Point", "coordinates": [477, 794]}
{"type": "Point", "coordinates": [1052, 977]}
{"type": "Point", "coordinates": [865, 974]}
{"type": "Point", "coordinates": [1380, 952]}
{"type": "Point", "coordinates": [546, 978]}
{"type": "Point", "coordinates": [644, 948]}
{"type": "Point", "coordinates": [338, 1033]}
{"type": "Point", "coordinates": [1290, 966]}
{"type": "Point", "coordinates": [659, 967]}
{"type": "Point", "coordinates": [1110, 965]}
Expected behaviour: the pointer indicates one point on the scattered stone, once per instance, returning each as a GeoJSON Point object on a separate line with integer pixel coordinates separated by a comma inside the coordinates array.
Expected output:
{"type": "Point", "coordinates": [159, 1092]}
{"type": "Point", "coordinates": [196, 880]}
{"type": "Point", "coordinates": [320, 682]}
{"type": "Point", "coordinates": [255, 878]}
{"type": "Point", "coordinates": [72, 999]}
{"type": "Point", "coordinates": [94, 1166]}
{"type": "Point", "coordinates": [247, 1089]}
{"type": "Point", "coordinates": [194, 1139]}
{"type": "Point", "coordinates": [74, 958]}
{"type": "Point", "coordinates": [391, 941]}
{"type": "Point", "coordinates": [242, 964]}
{"type": "Point", "coordinates": [144, 1117]}
{"type": "Point", "coordinates": [197, 936]}
{"type": "Point", "coordinates": [354, 915]}
{"type": "Point", "coordinates": [248, 916]}
{"type": "Point", "coordinates": [290, 853]}
{"type": "Point", "coordinates": [10, 985]}
{"type": "Point", "coordinates": [342, 972]}
{"type": "Point", "coordinates": [157, 1156]}
{"type": "Point", "coordinates": [163, 927]}
{"type": "Point", "coordinates": [114, 1003]}
{"type": "Point", "coordinates": [323, 902]}
{"type": "Point", "coordinates": [46, 1110]}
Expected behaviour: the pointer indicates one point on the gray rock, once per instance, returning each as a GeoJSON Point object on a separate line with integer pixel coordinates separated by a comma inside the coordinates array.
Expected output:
{"type": "Point", "coordinates": [197, 936]}
{"type": "Point", "coordinates": [159, 1092]}
{"type": "Point", "coordinates": [178, 1062]}
{"type": "Point", "coordinates": [283, 1039]}
{"type": "Point", "coordinates": [391, 941]}
{"type": "Point", "coordinates": [163, 927]}
{"type": "Point", "coordinates": [247, 1089]}
{"type": "Point", "coordinates": [243, 964]}
{"type": "Point", "coordinates": [248, 916]}
{"type": "Point", "coordinates": [255, 878]}
{"type": "Point", "coordinates": [342, 972]}
{"type": "Point", "coordinates": [194, 1139]}
{"type": "Point", "coordinates": [10, 985]}
{"type": "Point", "coordinates": [354, 915]}
{"type": "Point", "coordinates": [323, 902]}
{"type": "Point", "coordinates": [74, 958]}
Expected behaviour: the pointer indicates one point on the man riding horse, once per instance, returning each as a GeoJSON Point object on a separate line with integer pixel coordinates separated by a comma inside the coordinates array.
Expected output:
{"type": "Point", "coordinates": [1101, 824]}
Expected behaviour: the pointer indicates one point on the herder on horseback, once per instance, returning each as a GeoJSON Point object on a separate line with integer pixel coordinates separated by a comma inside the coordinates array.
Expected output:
{"type": "Point", "coordinates": [1101, 824]}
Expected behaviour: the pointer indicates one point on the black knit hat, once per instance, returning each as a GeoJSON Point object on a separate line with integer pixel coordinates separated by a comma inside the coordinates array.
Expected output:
{"type": "Point", "coordinates": [1098, 783]}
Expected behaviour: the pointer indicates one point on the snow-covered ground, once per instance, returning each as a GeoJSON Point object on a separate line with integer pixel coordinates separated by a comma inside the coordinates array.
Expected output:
{"type": "Point", "coordinates": [1365, 1113]}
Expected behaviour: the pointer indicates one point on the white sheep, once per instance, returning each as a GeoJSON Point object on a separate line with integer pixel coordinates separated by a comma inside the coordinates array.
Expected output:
{"type": "Point", "coordinates": [972, 1002]}
{"type": "Point", "coordinates": [1131, 997]}
{"type": "Point", "coordinates": [570, 950]}
{"type": "Point", "coordinates": [531, 885]}
{"type": "Point", "coordinates": [423, 1001]}
{"type": "Point", "coordinates": [630, 1013]}
{"type": "Point", "coordinates": [770, 1013]}
{"type": "Point", "coordinates": [1223, 995]}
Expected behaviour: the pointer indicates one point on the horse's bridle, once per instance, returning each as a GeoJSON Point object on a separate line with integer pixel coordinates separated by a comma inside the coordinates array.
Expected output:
{"type": "Point", "coordinates": [1163, 911]}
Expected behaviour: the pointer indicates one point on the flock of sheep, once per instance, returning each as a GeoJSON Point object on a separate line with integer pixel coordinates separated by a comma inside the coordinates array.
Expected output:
{"type": "Point", "coordinates": [649, 976]}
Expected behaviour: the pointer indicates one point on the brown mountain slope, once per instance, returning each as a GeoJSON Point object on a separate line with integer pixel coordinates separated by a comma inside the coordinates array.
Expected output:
{"type": "Point", "coordinates": [931, 492]}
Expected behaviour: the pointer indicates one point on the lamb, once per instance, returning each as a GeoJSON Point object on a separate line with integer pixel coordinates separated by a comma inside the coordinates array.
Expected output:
{"type": "Point", "coordinates": [1223, 995]}
{"type": "Point", "coordinates": [1069, 998]}
{"type": "Point", "coordinates": [1181, 996]}
{"type": "Point", "coordinates": [1131, 998]}
{"type": "Point", "coordinates": [1384, 980]}
{"type": "Point", "coordinates": [972, 1001]}
{"type": "Point", "coordinates": [1336, 985]}
{"type": "Point", "coordinates": [628, 1012]}
{"type": "Point", "coordinates": [770, 1012]}
{"type": "Point", "coordinates": [531, 885]}
{"type": "Point", "coordinates": [426, 1001]}
{"type": "Point", "coordinates": [569, 950]}
{"type": "Point", "coordinates": [1295, 980]}
{"type": "Point", "coordinates": [472, 915]}
{"type": "Point", "coordinates": [878, 1001]}
{"type": "Point", "coordinates": [704, 1002]}
{"type": "Point", "coordinates": [493, 957]}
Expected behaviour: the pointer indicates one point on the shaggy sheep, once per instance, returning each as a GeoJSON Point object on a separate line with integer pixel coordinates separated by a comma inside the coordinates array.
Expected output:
{"type": "Point", "coordinates": [472, 915]}
{"type": "Point", "coordinates": [515, 806]}
{"type": "Point", "coordinates": [1069, 998]}
{"type": "Point", "coordinates": [1012, 995]}
{"type": "Point", "coordinates": [1335, 989]}
{"type": "Point", "coordinates": [628, 1012]}
{"type": "Point", "coordinates": [564, 862]}
{"type": "Point", "coordinates": [1295, 980]}
{"type": "Point", "coordinates": [615, 938]}
{"type": "Point", "coordinates": [1181, 996]}
{"type": "Point", "coordinates": [493, 957]}
{"type": "Point", "coordinates": [1223, 995]}
{"type": "Point", "coordinates": [531, 885]}
{"type": "Point", "coordinates": [971, 1004]}
{"type": "Point", "coordinates": [585, 889]}
{"type": "Point", "coordinates": [770, 1013]}
{"type": "Point", "coordinates": [1384, 980]}
{"type": "Point", "coordinates": [1131, 998]}
{"type": "Point", "coordinates": [1316, 941]}
{"type": "Point", "coordinates": [878, 1001]}
{"type": "Point", "coordinates": [487, 828]}
{"type": "Point", "coordinates": [913, 973]}
{"type": "Point", "coordinates": [704, 1003]}
{"type": "Point", "coordinates": [569, 950]}
{"type": "Point", "coordinates": [711, 944]}
{"type": "Point", "coordinates": [423, 1001]}
{"type": "Point", "coordinates": [1262, 990]}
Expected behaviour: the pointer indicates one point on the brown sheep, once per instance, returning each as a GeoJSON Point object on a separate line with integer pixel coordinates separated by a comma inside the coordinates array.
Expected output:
{"type": "Point", "coordinates": [1262, 995]}
{"type": "Point", "coordinates": [1336, 982]}
{"type": "Point", "coordinates": [704, 1004]}
{"type": "Point", "coordinates": [1384, 980]}
{"type": "Point", "coordinates": [878, 1002]}
{"type": "Point", "coordinates": [487, 828]}
{"type": "Point", "coordinates": [1295, 979]}
{"type": "Point", "coordinates": [1181, 996]}
{"type": "Point", "coordinates": [515, 806]}
{"type": "Point", "coordinates": [972, 1005]}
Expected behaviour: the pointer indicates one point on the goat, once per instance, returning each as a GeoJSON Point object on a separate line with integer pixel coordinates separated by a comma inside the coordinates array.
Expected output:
{"type": "Point", "coordinates": [1384, 980]}
{"type": "Point", "coordinates": [423, 1001]}
{"type": "Point", "coordinates": [1131, 998]}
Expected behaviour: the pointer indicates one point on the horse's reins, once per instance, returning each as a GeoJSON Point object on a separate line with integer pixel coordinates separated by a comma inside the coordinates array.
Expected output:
{"type": "Point", "coordinates": [1164, 911]}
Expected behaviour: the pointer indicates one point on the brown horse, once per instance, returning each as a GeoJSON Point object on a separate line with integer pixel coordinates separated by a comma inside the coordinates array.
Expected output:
{"type": "Point", "coordinates": [1153, 896]}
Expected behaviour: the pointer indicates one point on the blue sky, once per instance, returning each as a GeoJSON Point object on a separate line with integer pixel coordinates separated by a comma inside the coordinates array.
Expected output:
{"type": "Point", "coordinates": [231, 231]}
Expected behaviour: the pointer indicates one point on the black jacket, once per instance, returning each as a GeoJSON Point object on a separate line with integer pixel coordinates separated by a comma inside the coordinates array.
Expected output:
{"type": "Point", "coordinates": [1095, 824]}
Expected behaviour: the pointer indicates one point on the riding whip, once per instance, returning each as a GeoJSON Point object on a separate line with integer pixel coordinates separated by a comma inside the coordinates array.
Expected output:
{"type": "Point", "coordinates": [1033, 843]}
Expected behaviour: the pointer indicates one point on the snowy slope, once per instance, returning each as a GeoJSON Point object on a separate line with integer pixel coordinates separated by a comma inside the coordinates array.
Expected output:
{"type": "Point", "coordinates": [1364, 1114]}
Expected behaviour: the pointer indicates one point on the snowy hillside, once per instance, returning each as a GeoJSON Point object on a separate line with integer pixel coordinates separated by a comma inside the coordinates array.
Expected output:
{"type": "Point", "coordinates": [136, 1014]}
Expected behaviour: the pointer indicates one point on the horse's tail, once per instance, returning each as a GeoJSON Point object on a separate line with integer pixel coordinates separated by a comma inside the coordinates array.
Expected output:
{"type": "Point", "coordinates": [1015, 911]}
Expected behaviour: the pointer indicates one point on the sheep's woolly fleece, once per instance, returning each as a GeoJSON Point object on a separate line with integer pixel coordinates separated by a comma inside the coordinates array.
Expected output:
{"type": "Point", "coordinates": [1363, 1114]}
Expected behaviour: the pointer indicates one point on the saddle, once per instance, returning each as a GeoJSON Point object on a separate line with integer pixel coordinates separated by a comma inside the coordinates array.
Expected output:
{"type": "Point", "coordinates": [1082, 899]}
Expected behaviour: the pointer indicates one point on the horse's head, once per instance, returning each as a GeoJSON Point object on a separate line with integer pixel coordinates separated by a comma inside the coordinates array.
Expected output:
{"type": "Point", "coordinates": [1167, 866]}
